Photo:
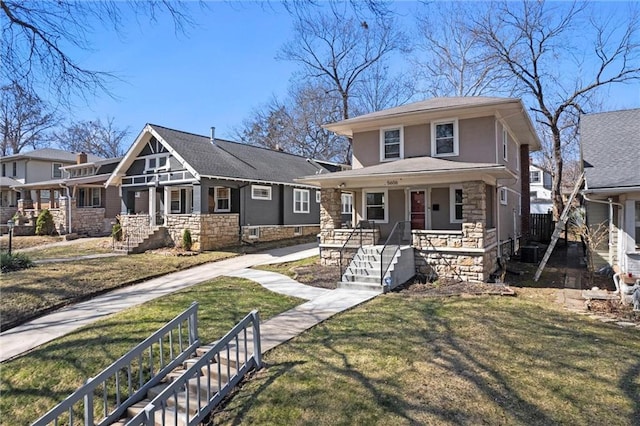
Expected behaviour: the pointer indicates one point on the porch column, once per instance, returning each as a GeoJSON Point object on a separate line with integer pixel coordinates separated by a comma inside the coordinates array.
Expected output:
{"type": "Point", "coordinates": [38, 200]}
{"type": "Point", "coordinates": [474, 214]}
{"type": "Point", "coordinates": [330, 209]}
{"type": "Point", "coordinates": [152, 205]}
{"type": "Point", "coordinates": [197, 199]}
{"type": "Point", "coordinates": [167, 201]}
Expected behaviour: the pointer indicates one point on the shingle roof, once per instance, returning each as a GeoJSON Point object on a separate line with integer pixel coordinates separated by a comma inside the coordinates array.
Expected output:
{"type": "Point", "coordinates": [610, 145]}
{"type": "Point", "coordinates": [50, 154]}
{"type": "Point", "coordinates": [6, 182]}
{"type": "Point", "coordinates": [235, 160]}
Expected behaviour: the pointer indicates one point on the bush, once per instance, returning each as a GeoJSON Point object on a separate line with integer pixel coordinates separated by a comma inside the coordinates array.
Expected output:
{"type": "Point", "coordinates": [14, 262]}
{"type": "Point", "coordinates": [116, 232]}
{"type": "Point", "coordinates": [186, 240]}
{"type": "Point", "coordinates": [44, 223]}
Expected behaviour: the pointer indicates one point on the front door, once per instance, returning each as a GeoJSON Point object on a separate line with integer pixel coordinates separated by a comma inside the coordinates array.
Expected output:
{"type": "Point", "coordinates": [418, 210]}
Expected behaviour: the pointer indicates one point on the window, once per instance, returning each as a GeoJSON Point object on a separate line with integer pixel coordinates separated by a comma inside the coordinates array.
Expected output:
{"type": "Point", "coordinates": [259, 192]}
{"type": "Point", "coordinates": [95, 197]}
{"type": "Point", "coordinates": [222, 199]}
{"type": "Point", "coordinates": [455, 204]}
{"type": "Point", "coordinates": [505, 141]}
{"type": "Point", "coordinates": [503, 196]}
{"type": "Point", "coordinates": [4, 170]}
{"type": "Point", "coordinates": [318, 196]}
{"type": "Point", "coordinates": [637, 220]}
{"type": "Point", "coordinates": [391, 144]}
{"type": "Point", "coordinates": [301, 200]}
{"type": "Point", "coordinates": [156, 162]}
{"type": "Point", "coordinates": [56, 172]}
{"type": "Point", "coordinates": [297, 230]}
{"type": "Point", "coordinates": [347, 203]}
{"type": "Point", "coordinates": [533, 194]}
{"type": "Point", "coordinates": [15, 169]}
{"type": "Point", "coordinates": [254, 232]}
{"type": "Point", "coordinates": [444, 138]}
{"type": "Point", "coordinates": [375, 206]}
{"type": "Point", "coordinates": [175, 201]}
{"type": "Point", "coordinates": [534, 176]}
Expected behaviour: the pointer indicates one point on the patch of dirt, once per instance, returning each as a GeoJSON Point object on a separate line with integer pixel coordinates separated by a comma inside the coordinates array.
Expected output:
{"type": "Point", "coordinates": [613, 309]}
{"type": "Point", "coordinates": [317, 275]}
{"type": "Point", "coordinates": [445, 288]}
{"type": "Point", "coordinates": [173, 251]}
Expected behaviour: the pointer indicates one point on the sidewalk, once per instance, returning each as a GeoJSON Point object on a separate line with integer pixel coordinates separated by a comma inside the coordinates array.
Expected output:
{"type": "Point", "coordinates": [322, 303]}
{"type": "Point", "coordinates": [46, 328]}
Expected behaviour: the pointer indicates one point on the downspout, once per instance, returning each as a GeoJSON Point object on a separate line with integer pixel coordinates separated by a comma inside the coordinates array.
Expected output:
{"type": "Point", "coordinates": [610, 203]}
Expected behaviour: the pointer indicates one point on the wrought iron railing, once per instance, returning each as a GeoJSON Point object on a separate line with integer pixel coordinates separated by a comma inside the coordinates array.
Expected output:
{"type": "Point", "coordinates": [508, 248]}
{"type": "Point", "coordinates": [400, 235]}
{"type": "Point", "coordinates": [358, 232]}
{"type": "Point", "coordinates": [106, 397]}
{"type": "Point", "coordinates": [240, 346]}
{"type": "Point", "coordinates": [133, 235]}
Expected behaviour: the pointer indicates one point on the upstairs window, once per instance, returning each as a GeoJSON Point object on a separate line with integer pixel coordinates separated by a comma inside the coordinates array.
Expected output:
{"type": "Point", "coordinates": [15, 169]}
{"type": "Point", "coordinates": [156, 162]}
{"type": "Point", "coordinates": [346, 201]}
{"type": "Point", "coordinates": [534, 176]}
{"type": "Point", "coordinates": [391, 144]}
{"type": "Point", "coordinates": [222, 199]}
{"type": "Point", "coordinates": [444, 138]}
{"type": "Point", "coordinates": [56, 172]}
{"type": "Point", "coordinates": [259, 192]}
{"type": "Point", "coordinates": [505, 142]}
{"type": "Point", "coordinates": [4, 170]}
{"type": "Point", "coordinates": [301, 201]}
{"type": "Point", "coordinates": [503, 196]}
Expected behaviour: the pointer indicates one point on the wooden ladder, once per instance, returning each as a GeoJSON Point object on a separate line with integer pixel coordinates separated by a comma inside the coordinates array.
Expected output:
{"type": "Point", "coordinates": [562, 221]}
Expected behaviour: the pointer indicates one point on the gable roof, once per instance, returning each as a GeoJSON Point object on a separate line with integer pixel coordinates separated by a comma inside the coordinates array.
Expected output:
{"type": "Point", "coordinates": [224, 159]}
{"type": "Point", "coordinates": [610, 148]}
{"type": "Point", "coordinates": [50, 154]}
{"type": "Point", "coordinates": [511, 110]}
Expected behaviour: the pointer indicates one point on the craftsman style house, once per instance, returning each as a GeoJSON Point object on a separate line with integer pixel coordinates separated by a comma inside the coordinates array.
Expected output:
{"type": "Point", "coordinates": [448, 176]}
{"type": "Point", "coordinates": [223, 192]}
{"type": "Point", "coordinates": [610, 149]}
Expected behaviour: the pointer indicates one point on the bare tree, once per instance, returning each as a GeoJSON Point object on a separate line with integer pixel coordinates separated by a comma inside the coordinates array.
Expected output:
{"type": "Point", "coordinates": [450, 60]}
{"type": "Point", "coordinates": [36, 36]}
{"type": "Point", "coordinates": [93, 137]}
{"type": "Point", "coordinates": [295, 125]}
{"type": "Point", "coordinates": [380, 89]}
{"type": "Point", "coordinates": [535, 42]}
{"type": "Point", "coordinates": [24, 119]}
{"type": "Point", "coordinates": [337, 47]}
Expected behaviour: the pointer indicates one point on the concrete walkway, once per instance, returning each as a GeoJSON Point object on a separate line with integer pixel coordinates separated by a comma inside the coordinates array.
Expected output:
{"type": "Point", "coordinates": [322, 304]}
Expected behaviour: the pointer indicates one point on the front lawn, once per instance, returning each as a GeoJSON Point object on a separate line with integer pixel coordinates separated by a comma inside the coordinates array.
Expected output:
{"type": "Point", "coordinates": [403, 359]}
{"type": "Point", "coordinates": [34, 383]}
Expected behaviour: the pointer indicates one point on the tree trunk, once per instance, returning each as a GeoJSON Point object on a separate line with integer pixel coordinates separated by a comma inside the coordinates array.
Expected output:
{"type": "Point", "coordinates": [556, 184]}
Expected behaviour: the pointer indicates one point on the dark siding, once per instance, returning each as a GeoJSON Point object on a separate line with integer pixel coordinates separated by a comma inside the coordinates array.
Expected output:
{"type": "Point", "coordinates": [291, 218]}
{"type": "Point", "coordinates": [137, 168]}
{"type": "Point", "coordinates": [260, 212]}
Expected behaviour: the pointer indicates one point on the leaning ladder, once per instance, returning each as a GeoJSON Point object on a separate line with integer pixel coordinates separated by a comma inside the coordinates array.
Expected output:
{"type": "Point", "coordinates": [562, 221]}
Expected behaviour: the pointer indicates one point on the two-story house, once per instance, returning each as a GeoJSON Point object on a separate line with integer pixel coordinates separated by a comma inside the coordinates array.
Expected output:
{"type": "Point", "coordinates": [610, 150]}
{"type": "Point", "coordinates": [224, 192]}
{"type": "Point", "coordinates": [40, 165]}
{"type": "Point", "coordinates": [446, 177]}
{"type": "Point", "coordinates": [540, 189]}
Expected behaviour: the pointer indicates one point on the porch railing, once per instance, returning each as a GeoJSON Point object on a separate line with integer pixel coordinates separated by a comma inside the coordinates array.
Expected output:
{"type": "Point", "coordinates": [240, 346]}
{"type": "Point", "coordinates": [132, 235]}
{"type": "Point", "coordinates": [400, 235]}
{"type": "Point", "coordinates": [107, 396]}
{"type": "Point", "coordinates": [508, 248]}
{"type": "Point", "coordinates": [357, 231]}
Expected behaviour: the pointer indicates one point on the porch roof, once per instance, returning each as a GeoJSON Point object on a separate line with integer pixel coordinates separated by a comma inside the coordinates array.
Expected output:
{"type": "Point", "coordinates": [411, 171]}
{"type": "Point", "coordinates": [55, 183]}
{"type": "Point", "coordinates": [6, 182]}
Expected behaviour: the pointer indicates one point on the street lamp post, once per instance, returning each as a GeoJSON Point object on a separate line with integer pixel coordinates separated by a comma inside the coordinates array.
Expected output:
{"type": "Point", "coordinates": [10, 225]}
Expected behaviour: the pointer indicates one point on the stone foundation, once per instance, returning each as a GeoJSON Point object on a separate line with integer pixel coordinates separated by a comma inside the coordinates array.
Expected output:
{"type": "Point", "coordinates": [333, 240]}
{"type": "Point", "coordinates": [278, 232]}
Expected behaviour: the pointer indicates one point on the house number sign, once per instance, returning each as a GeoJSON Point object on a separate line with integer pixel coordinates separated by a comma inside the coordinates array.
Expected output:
{"type": "Point", "coordinates": [392, 182]}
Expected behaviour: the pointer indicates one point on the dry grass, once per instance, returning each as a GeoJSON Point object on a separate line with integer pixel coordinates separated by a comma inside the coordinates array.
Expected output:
{"type": "Point", "coordinates": [74, 248]}
{"type": "Point", "coordinates": [27, 241]}
{"type": "Point", "coordinates": [404, 360]}
{"type": "Point", "coordinates": [32, 292]}
{"type": "Point", "coordinates": [34, 383]}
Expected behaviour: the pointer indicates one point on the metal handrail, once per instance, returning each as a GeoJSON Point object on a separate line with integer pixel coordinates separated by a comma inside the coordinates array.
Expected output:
{"type": "Point", "coordinates": [207, 395]}
{"type": "Point", "coordinates": [138, 365]}
{"type": "Point", "coordinates": [396, 235]}
{"type": "Point", "coordinates": [359, 226]}
{"type": "Point", "coordinates": [135, 234]}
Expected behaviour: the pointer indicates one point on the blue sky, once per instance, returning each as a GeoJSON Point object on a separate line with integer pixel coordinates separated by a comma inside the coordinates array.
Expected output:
{"type": "Point", "coordinates": [214, 75]}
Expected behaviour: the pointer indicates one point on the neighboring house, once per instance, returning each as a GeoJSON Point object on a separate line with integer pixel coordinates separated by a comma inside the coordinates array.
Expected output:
{"type": "Point", "coordinates": [455, 169]}
{"type": "Point", "coordinates": [82, 204]}
{"type": "Point", "coordinates": [30, 167]}
{"type": "Point", "coordinates": [540, 189]}
{"type": "Point", "coordinates": [222, 191]}
{"type": "Point", "coordinates": [610, 149]}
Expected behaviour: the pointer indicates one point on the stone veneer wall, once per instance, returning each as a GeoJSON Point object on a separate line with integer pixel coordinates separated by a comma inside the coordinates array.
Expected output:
{"type": "Point", "coordinates": [279, 232]}
{"type": "Point", "coordinates": [208, 231]}
{"type": "Point", "coordinates": [7, 213]}
{"type": "Point", "coordinates": [332, 241]}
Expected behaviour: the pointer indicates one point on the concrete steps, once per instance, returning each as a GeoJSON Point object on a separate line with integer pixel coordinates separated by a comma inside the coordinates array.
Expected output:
{"type": "Point", "coordinates": [365, 270]}
{"type": "Point", "coordinates": [156, 238]}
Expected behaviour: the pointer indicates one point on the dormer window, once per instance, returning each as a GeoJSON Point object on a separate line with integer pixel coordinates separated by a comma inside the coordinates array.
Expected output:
{"type": "Point", "coordinates": [391, 144]}
{"type": "Point", "coordinates": [156, 162]}
{"type": "Point", "coordinates": [444, 138]}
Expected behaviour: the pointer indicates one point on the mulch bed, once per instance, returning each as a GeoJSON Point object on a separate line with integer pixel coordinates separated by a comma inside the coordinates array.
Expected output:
{"type": "Point", "coordinates": [446, 288]}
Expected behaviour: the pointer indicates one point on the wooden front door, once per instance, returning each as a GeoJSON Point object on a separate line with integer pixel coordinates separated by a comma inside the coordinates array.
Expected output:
{"type": "Point", "coordinates": [418, 210]}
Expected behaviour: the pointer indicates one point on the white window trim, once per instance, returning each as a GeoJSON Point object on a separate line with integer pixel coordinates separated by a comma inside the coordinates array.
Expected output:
{"type": "Point", "coordinates": [147, 159]}
{"type": "Point", "coordinates": [505, 144]}
{"type": "Point", "coordinates": [304, 205]}
{"type": "Point", "coordinates": [456, 144]}
{"type": "Point", "coordinates": [385, 205]}
{"type": "Point", "coordinates": [179, 191]}
{"type": "Point", "coordinates": [53, 170]}
{"type": "Point", "coordinates": [317, 196]}
{"type": "Point", "coordinates": [253, 232]}
{"type": "Point", "coordinates": [503, 196]}
{"type": "Point", "coordinates": [343, 204]}
{"type": "Point", "coordinates": [452, 204]}
{"type": "Point", "coordinates": [297, 230]}
{"type": "Point", "coordinates": [539, 172]}
{"type": "Point", "coordinates": [258, 197]}
{"type": "Point", "coordinates": [384, 129]}
{"type": "Point", "coordinates": [215, 199]}
{"type": "Point", "coordinates": [99, 197]}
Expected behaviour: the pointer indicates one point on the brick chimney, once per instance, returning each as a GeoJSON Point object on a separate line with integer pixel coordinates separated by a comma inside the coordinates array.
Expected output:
{"type": "Point", "coordinates": [81, 158]}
